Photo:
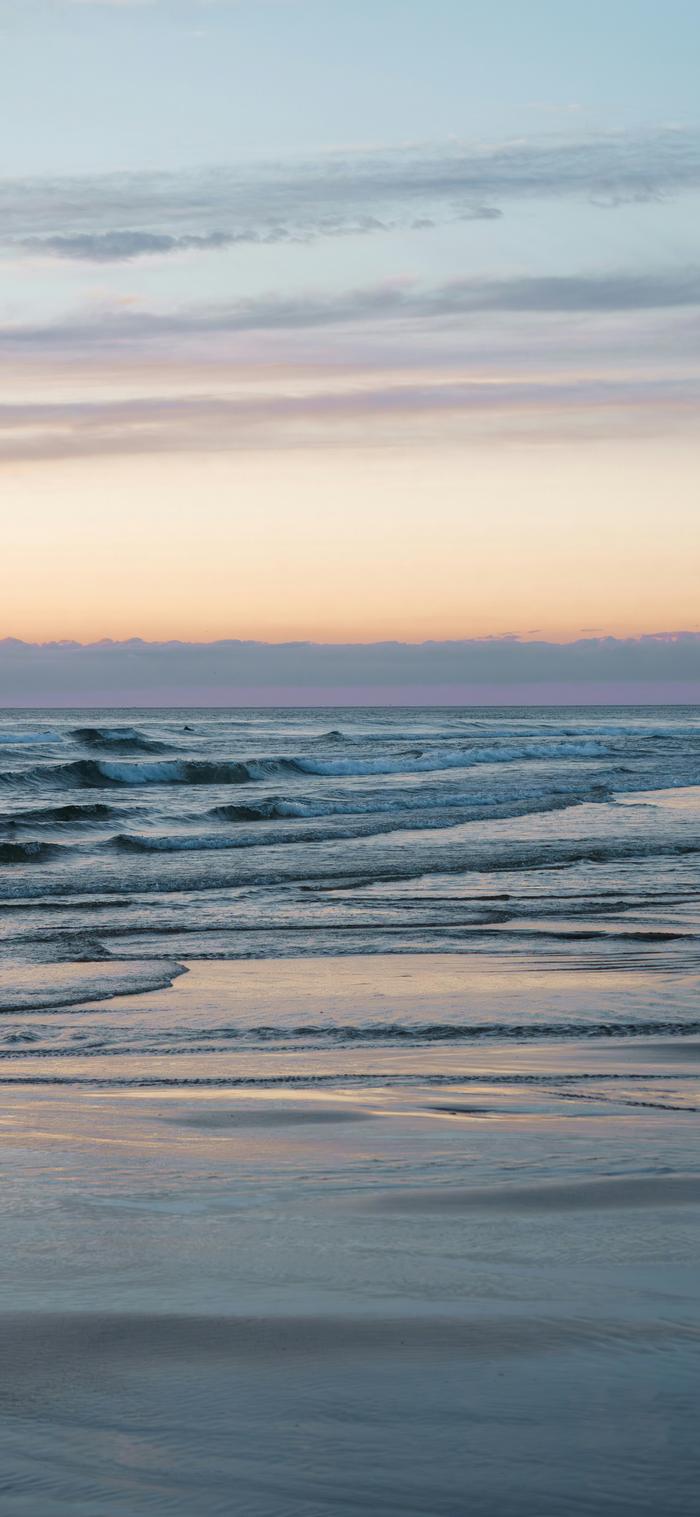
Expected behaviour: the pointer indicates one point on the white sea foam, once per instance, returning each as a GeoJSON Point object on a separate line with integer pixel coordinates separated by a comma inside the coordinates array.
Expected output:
{"type": "Point", "coordinates": [449, 758]}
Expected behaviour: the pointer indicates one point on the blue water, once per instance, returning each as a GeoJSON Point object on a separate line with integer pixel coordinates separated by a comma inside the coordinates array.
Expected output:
{"type": "Point", "coordinates": [134, 843]}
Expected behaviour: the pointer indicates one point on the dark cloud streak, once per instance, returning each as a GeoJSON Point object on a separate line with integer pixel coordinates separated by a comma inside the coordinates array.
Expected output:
{"type": "Point", "coordinates": [125, 246]}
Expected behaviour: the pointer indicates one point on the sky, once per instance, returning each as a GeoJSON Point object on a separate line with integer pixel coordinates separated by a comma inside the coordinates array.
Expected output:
{"type": "Point", "coordinates": [349, 323]}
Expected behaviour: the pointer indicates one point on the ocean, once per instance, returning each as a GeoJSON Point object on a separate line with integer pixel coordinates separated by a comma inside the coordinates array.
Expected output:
{"type": "Point", "coordinates": [349, 1098]}
{"type": "Point", "coordinates": [133, 843]}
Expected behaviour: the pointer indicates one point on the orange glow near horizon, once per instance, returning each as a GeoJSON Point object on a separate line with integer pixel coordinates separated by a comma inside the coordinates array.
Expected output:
{"type": "Point", "coordinates": [550, 540]}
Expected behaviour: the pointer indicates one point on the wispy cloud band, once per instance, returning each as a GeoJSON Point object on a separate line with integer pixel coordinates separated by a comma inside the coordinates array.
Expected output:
{"type": "Point", "coordinates": [121, 216]}
{"type": "Point", "coordinates": [376, 412]}
{"type": "Point", "coordinates": [390, 300]}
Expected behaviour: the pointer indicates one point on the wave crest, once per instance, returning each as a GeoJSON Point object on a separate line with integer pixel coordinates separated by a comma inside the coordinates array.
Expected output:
{"type": "Point", "coordinates": [427, 761]}
{"type": "Point", "coordinates": [31, 852]}
{"type": "Point", "coordinates": [50, 816]}
{"type": "Point", "coordinates": [101, 773]}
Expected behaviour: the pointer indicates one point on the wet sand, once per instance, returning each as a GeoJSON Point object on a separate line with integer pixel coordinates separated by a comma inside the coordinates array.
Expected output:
{"type": "Point", "coordinates": [476, 1293]}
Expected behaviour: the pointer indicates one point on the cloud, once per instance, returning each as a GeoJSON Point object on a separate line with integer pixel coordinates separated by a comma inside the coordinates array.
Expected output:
{"type": "Point", "coordinates": [123, 247]}
{"type": "Point", "coordinates": [655, 666]}
{"type": "Point", "coordinates": [390, 301]}
{"type": "Point", "coordinates": [119, 247]}
{"type": "Point", "coordinates": [126, 215]}
{"type": "Point", "coordinates": [365, 413]}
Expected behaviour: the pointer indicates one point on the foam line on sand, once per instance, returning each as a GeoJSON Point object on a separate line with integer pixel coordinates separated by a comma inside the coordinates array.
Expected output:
{"type": "Point", "coordinates": [614, 1191]}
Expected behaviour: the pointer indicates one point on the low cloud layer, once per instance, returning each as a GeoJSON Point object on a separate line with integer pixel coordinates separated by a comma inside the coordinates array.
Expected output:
{"type": "Point", "coordinates": [656, 667]}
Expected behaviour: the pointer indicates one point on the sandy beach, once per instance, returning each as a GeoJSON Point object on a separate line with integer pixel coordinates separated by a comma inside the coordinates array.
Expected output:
{"type": "Point", "coordinates": [362, 1296]}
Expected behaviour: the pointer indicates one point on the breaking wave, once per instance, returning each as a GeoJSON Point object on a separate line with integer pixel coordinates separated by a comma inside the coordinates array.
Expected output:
{"type": "Point", "coordinates": [278, 808]}
{"type": "Point", "coordinates": [363, 822]}
{"type": "Point", "coordinates": [425, 762]}
{"type": "Point", "coordinates": [96, 773]}
{"type": "Point", "coordinates": [20, 739]}
{"type": "Point", "coordinates": [127, 842]}
{"type": "Point", "coordinates": [31, 852]}
{"type": "Point", "coordinates": [24, 989]}
{"type": "Point", "coordinates": [273, 810]}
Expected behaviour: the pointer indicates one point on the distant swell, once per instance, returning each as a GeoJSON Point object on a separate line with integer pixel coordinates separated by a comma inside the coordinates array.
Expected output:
{"type": "Point", "coordinates": [117, 739]}
{"type": "Point", "coordinates": [49, 816]}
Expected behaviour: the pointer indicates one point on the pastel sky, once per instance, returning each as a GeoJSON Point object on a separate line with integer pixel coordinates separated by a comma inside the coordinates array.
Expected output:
{"type": "Point", "coordinates": [349, 322]}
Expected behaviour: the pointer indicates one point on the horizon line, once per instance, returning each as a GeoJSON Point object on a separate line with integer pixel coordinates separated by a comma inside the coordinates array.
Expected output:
{"type": "Point", "coordinates": [527, 639]}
